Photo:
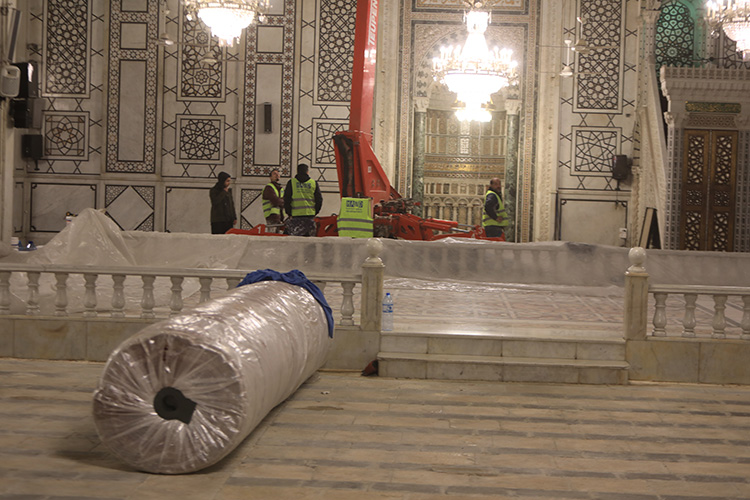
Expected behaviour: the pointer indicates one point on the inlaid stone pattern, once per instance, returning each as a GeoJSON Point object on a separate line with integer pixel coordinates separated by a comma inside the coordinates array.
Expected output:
{"type": "Point", "coordinates": [598, 81]}
{"type": "Point", "coordinates": [336, 50]}
{"type": "Point", "coordinates": [131, 207]}
{"type": "Point", "coordinates": [324, 86]}
{"type": "Point", "coordinates": [65, 135]}
{"type": "Point", "coordinates": [594, 150]}
{"type": "Point", "coordinates": [125, 51]}
{"type": "Point", "coordinates": [200, 139]}
{"type": "Point", "coordinates": [200, 93]}
{"type": "Point", "coordinates": [202, 65]}
{"type": "Point", "coordinates": [324, 132]}
{"type": "Point", "coordinates": [285, 59]}
{"type": "Point", "coordinates": [250, 206]}
{"type": "Point", "coordinates": [66, 47]}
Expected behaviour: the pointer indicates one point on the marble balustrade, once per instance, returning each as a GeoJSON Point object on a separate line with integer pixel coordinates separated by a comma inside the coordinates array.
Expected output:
{"type": "Point", "coordinates": [119, 306]}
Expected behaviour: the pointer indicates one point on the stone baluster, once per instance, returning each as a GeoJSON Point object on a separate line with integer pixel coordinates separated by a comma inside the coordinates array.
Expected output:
{"type": "Point", "coordinates": [89, 294]}
{"type": "Point", "coordinates": [719, 322]}
{"type": "Point", "coordinates": [636, 296]}
{"type": "Point", "coordinates": [373, 270]}
{"type": "Point", "coordinates": [232, 283]}
{"type": "Point", "coordinates": [147, 301]}
{"type": "Point", "coordinates": [205, 289]}
{"type": "Point", "coordinates": [175, 303]}
{"type": "Point", "coordinates": [32, 305]}
{"type": "Point", "coordinates": [5, 292]}
{"type": "Point", "coordinates": [347, 305]}
{"type": "Point", "coordinates": [745, 323]}
{"type": "Point", "coordinates": [660, 315]}
{"type": "Point", "coordinates": [61, 294]}
{"type": "Point", "coordinates": [688, 322]}
{"type": "Point", "coordinates": [118, 295]}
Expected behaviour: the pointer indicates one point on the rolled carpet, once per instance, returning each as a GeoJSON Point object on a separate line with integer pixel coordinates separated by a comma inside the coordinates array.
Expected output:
{"type": "Point", "coordinates": [183, 393]}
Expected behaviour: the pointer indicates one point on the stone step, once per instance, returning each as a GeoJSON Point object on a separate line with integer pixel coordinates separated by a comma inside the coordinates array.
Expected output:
{"type": "Point", "coordinates": [502, 368]}
{"type": "Point", "coordinates": [488, 344]}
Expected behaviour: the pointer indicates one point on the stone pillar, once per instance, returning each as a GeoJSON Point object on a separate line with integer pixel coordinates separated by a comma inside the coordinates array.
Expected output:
{"type": "Point", "coordinates": [512, 108]}
{"type": "Point", "coordinates": [372, 287]}
{"type": "Point", "coordinates": [636, 296]}
{"type": "Point", "coordinates": [420, 134]}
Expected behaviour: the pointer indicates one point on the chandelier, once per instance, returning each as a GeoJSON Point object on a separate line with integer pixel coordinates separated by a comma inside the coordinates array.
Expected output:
{"type": "Point", "coordinates": [227, 18]}
{"type": "Point", "coordinates": [474, 72]}
{"type": "Point", "coordinates": [733, 16]}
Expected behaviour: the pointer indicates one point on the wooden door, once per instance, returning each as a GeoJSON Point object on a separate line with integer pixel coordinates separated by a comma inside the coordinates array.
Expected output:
{"type": "Point", "coordinates": [708, 187]}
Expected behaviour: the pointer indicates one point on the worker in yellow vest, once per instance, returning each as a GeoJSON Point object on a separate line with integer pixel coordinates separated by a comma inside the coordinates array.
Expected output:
{"type": "Point", "coordinates": [495, 218]}
{"type": "Point", "coordinates": [273, 203]}
{"type": "Point", "coordinates": [355, 218]}
{"type": "Point", "coordinates": [302, 202]}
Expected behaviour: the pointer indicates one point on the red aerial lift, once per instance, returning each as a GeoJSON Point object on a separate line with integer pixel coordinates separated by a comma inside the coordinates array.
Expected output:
{"type": "Point", "coordinates": [359, 172]}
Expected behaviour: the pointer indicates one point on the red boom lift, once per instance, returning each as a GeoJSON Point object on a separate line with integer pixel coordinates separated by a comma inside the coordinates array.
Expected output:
{"type": "Point", "coordinates": [359, 172]}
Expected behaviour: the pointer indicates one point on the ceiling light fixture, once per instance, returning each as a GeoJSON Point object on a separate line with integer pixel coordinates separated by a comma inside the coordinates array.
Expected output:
{"type": "Point", "coordinates": [474, 72]}
{"type": "Point", "coordinates": [733, 16]}
{"type": "Point", "coordinates": [227, 18]}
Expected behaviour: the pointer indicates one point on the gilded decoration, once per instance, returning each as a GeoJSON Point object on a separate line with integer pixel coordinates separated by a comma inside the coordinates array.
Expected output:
{"type": "Point", "coordinates": [713, 107]}
{"type": "Point", "coordinates": [514, 5]}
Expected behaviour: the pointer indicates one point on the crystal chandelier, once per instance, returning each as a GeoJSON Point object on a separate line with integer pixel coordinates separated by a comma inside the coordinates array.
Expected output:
{"type": "Point", "coordinates": [733, 16]}
{"type": "Point", "coordinates": [227, 18]}
{"type": "Point", "coordinates": [474, 72]}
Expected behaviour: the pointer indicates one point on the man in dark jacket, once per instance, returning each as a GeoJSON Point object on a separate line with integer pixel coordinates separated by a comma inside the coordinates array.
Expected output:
{"type": "Point", "coordinates": [302, 202]}
{"type": "Point", "coordinates": [223, 215]}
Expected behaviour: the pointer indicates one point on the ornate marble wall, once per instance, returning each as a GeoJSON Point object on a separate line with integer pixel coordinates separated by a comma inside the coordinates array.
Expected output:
{"type": "Point", "coordinates": [142, 128]}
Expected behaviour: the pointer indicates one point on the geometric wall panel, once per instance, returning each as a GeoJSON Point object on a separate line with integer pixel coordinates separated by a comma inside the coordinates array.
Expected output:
{"type": "Point", "coordinates": [50, 202]}
{"type": "Point", "coordinates": [251, 208]}
{"type": "Point", "coordinates": [593, 149]}
{"type": "Point", "coordinates": [324, 131]}
{"type": "Point", "coordinates": [65, 135]}
{"type": "Point", "coordinates": [65, 69]}
{"type": "Point", "coordinates": [200, 139]}
{"type": "Point", "coordinates": [130, 207]}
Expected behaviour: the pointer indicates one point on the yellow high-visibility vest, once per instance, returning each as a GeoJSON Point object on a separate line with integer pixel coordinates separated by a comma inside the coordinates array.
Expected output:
{"type": "Point", "coordinates": [486, 220]}
{"type": "Point", "coordinates": [355, 218]}
{"type": "Point", "coordinates": [268, 210]}
{"type": "Point", "coordinates": [303, 198]}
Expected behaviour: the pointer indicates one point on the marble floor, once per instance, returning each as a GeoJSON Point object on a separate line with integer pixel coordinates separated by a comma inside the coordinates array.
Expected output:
{"type": "Point", "coordinates": [529, 311]}
{"type": "Point", "coordinates": [343, 436]}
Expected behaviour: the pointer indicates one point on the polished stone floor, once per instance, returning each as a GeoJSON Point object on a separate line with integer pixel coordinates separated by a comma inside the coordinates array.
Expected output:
{"type": "Point", "coordinates": [343, 436]}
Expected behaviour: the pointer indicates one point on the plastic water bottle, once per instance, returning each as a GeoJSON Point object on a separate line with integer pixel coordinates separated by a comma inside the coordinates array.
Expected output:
{"type": "Point", "coordinates": [387, 320]}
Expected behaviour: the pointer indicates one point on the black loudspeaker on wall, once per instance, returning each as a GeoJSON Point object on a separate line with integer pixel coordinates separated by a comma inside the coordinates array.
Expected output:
{"type": "Point", "coordinates": [267, 121]}
{"type": "Point", "coordinates": [621, 167]}
{"type": "Point", "coordinates": [31, 146]}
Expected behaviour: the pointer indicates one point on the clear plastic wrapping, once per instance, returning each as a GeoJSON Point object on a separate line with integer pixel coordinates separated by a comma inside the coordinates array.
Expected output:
{"type": "Point", "coordinates": [184, 392]}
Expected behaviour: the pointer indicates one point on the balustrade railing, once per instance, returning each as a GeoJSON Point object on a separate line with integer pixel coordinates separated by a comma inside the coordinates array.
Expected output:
{"type": "Point", "coordinates": [638, 292]}
{"type": "Point", "coordinates": [119, 307]}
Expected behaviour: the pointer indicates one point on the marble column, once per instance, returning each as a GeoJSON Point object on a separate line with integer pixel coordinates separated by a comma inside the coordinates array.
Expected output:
{"type": "Point", "coordinates": [420, 134]}
{"type": "Point", "coordinates": [512, 108]}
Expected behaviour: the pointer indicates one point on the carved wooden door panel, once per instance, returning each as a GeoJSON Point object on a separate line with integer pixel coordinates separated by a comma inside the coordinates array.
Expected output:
{"type": "Point", "coordinates": [708, 187]}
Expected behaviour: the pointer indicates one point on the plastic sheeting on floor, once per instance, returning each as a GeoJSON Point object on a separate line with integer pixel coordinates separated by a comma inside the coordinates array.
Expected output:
{"type": "Point", "coordinates": [183, 393]}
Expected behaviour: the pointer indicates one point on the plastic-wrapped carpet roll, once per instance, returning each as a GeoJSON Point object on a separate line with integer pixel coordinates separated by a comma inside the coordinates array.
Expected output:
{"type": "Point", "coordinates": [183, 393]}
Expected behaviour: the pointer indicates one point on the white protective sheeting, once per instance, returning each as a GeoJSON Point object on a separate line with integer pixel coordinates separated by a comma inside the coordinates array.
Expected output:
{"type": "Point", "coordinates": [93, 239]}
{"type": "Point", "coordinates": [233, 358]}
